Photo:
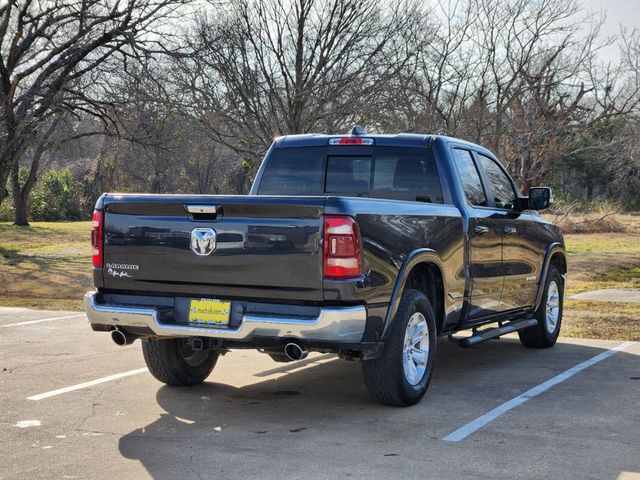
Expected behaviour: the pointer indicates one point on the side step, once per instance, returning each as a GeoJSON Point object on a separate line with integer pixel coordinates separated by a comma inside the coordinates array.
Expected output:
{"type": "Point", "coordinates": [489, 333]}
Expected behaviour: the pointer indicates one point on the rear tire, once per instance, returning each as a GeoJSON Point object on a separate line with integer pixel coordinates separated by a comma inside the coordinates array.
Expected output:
{"type": "Point", "coordinates": [172, 361]}
{"type": "Point", "coordinates": [400, 376]}
{"type": "Point", "coordinates": [548, 314]}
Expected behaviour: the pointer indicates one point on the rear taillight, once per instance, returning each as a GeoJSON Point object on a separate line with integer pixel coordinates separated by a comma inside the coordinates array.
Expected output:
{"type": "Point", "coordinates": [341, 247]}
{"type": "Point", "coordinates": [96, 238]}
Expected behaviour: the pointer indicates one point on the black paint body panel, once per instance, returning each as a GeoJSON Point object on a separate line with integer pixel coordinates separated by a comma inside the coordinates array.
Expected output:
{"type": "Point", "coordinates": [265, 248]}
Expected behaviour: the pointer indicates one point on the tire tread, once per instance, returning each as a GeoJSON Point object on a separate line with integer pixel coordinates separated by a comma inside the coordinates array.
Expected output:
{"type": "Point", "coordinates": [382, 376]}
{"type": "Point", "coordinates": [537, 335]}
{"type": "Point", "coordinates": [165, 364]}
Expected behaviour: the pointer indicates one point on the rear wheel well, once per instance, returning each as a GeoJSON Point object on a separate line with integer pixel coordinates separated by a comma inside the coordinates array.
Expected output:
{"type": "Point", "coordinates": [427, 278]}
{"type": "Point", "coordinates": [560, 262]}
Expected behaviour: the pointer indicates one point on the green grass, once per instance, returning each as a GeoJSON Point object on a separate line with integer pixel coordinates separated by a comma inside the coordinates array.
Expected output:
{"type": "Point", "coordinates": [601, 242]}
{"type": "Point", "coordinates": [624, 274]}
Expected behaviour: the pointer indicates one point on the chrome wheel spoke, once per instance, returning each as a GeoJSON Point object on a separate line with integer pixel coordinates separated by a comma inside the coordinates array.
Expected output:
{"type": "Point", "coordinates": [552, 307]}
{"type": "Point", "coordinates": [419, 334]}
{"type": "Point", "coordinates": [415, 353]}
{"type": "Point", "coordinates": [413, 371]}
{"type": "Point", "coordinates": [418, 356]}
{"type": "Point", "coordinates": [412, 331]}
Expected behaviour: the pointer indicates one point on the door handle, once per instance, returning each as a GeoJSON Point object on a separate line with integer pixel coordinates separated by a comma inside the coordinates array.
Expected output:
{"type": "Point", "coordinates": [481, 229]}
{"type": "Point", "coordinates": [509, 230]}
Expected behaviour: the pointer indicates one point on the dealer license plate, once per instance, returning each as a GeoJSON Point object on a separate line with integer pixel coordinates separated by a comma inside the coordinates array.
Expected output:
{"type": "Point", "coordinates": [209, 312]}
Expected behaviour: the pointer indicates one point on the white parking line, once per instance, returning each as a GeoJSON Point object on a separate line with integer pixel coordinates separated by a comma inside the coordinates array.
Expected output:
{"type": "Point", "coordinates": [466, 430]}
{"type": "Point", "coordinates": [91, 383]}
{"type": "Point", "coordinates": [41, 320]}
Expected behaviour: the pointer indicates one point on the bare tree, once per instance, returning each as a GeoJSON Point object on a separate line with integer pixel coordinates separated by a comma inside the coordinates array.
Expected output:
{"type": "Point", "coordinates": [521, 77]}
{"type": "Point", "coordinates": [260, 69]}
{"type": "Point", "coordinates": [191, 104]}
{"type": "Point", "coordinates": [46, 48]}
{"type": "Point", "coordinates": [432, 96]}
{"type": "Point", "coordinates": [559, 92]}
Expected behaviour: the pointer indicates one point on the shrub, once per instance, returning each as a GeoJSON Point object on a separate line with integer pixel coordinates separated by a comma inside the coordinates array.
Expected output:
{"type": "Point", "coordinates": [6, 212]}
{"type": "Point", "coordinates": [57, 197]}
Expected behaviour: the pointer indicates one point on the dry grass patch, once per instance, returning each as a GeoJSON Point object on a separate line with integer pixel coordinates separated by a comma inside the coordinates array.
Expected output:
{"type": "Point", "coordinates": [605, 219]}
{"type": "Point", "coordinates": [45, 265]}
{"type": "Point", "coordinates": [597, 261]}
{"type": "Point", "coordinates": [604, 320]}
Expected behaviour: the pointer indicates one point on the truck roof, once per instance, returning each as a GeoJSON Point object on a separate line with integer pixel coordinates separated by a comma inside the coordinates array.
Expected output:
{"type": "Point", "coordinates": [389, 140]}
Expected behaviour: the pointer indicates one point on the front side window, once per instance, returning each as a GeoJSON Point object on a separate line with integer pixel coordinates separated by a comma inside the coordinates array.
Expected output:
{"type": "Point", "coordinates": [503, 192]}
{"type": "Point", "coordinates": [469, 177]}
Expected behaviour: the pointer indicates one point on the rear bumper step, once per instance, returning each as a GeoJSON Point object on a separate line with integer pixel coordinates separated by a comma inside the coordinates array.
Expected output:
{"type": "Point", "coordinates": [489, 333]}
{"type": "Point", "coordinates": [333, 324]}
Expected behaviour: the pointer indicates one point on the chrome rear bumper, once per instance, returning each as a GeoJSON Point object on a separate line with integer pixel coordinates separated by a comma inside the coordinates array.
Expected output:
{"type": "Point", "coordinates": [335, 324]}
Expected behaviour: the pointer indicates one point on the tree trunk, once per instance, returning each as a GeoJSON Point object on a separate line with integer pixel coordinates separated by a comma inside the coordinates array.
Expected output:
{"type": "Point", "coordinates": [6, 164]}
{"type": "Point", "coordinates": [22, 193]}
{"type": "Point", "coordinates": [20, 212]}
{"type": "Point", "coordinates": [4, 193]}
{"type": "Point", "coordinates": [20, 201]}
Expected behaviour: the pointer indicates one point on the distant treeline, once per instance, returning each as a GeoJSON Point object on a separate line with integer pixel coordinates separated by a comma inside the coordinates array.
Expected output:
{"type": "Point", "coordinates": [183, 96]}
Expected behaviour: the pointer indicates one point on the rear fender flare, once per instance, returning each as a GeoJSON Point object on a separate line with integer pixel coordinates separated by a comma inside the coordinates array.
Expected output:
{"type": "Point", "coordinates": [420, 255]}
{"type": "Point", "coordinates": [553, 249]}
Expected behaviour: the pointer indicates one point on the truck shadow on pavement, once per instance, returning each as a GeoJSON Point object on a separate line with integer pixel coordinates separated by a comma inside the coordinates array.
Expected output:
{"type": "Point", "coordinates": [282, 418]}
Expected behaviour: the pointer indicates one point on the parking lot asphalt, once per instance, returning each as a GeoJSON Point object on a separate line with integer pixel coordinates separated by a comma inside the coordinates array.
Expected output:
{"type": "Point", "coordinates": [74, 405]}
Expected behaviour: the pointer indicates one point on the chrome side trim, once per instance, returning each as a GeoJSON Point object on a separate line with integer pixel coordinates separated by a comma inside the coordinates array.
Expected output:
{"type": "Point", "coordinates": [339, 324]}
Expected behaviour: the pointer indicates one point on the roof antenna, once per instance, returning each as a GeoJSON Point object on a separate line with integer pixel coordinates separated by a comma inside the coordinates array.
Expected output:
{"type": "Point", "coordinates": [357, 130]}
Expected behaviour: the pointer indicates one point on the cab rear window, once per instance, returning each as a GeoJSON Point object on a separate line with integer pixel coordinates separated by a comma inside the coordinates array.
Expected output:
{"type": "Point", "coordinates": [391, 173]}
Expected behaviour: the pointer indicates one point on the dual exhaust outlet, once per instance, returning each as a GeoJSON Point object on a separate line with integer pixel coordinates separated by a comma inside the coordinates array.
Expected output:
{"type": "Point", "coordinates": [292, 351]}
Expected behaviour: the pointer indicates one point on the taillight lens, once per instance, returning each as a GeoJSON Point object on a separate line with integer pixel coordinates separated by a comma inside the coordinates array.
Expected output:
{"type": "Point", "coordinates": [96, 238]}
{"type": "Point", "coordinates": [341, 247]}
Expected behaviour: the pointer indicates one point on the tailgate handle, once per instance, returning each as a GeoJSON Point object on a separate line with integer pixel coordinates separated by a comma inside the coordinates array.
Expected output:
{"type": "Point", "coordinates": [204, 212]}
{"type": "Point", "coordinates": [211, 209]}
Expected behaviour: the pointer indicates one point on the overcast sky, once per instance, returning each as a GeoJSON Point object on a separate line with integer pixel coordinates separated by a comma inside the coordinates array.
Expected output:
{"type": "Point", "coordinates": [619, 12]}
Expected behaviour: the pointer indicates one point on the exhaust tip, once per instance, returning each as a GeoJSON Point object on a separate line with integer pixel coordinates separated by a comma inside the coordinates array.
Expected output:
{"type": "Point", "coordinates": [293, 351]}
{"type": "Point", "coordinates": [121, 338]}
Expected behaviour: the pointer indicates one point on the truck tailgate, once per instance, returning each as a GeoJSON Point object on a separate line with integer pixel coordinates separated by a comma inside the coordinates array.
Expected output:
{"type": "Point", "coordinates": [258, 247]}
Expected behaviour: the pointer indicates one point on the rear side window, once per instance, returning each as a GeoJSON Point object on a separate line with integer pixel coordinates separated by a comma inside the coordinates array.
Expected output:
{"type": "Point", "coordinates": [294, 171]}
{"type": "Point", "coordinates": [470, 177]}
{"type": "Point", "coordinates": [391, 173]}
{"type": "Point", "coordinates": [503, 192]}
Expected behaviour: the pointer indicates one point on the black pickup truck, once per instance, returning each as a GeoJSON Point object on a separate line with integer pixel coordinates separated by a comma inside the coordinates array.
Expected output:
{"type": "Point", "coordinates": [368, 246]}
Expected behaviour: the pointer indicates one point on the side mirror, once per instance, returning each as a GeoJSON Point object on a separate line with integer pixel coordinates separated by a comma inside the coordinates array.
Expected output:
{"type": "Point", "coordinates": [540, 198]}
